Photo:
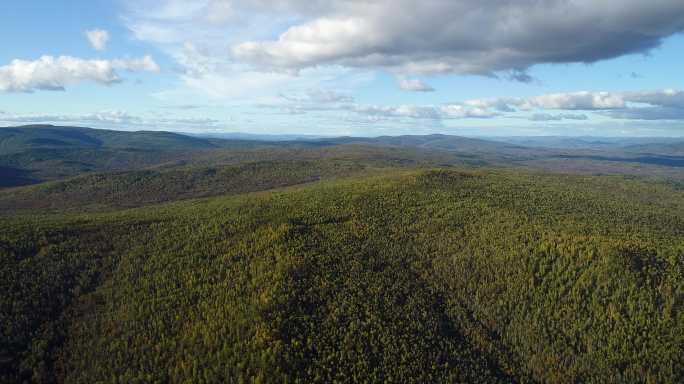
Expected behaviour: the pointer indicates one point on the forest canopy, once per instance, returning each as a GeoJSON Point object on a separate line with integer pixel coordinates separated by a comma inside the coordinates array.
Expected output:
{"type": "Point", "coordinates": [411, 275]}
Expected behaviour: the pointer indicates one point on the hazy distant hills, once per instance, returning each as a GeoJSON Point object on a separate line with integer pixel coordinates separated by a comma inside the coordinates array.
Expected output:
{"type": "Point", "coordinates": [25, 138]}
{"type": "Point", "coordinates": [632, 144]}
{"type": "Point", "coordinates": [257, 136]}
{"type": "Point", "coordinates": [30, 154]}
{"type": "Point", "coordinates": [37, 153]}
{"type": "Point", "coordinates": [437, 142]}
{"type": "Point", "coordinates": [33, 137]}
{"type": "Point", "coordinates": [20, 139]}
{"type": "Point", "coordinates": [675, 148]}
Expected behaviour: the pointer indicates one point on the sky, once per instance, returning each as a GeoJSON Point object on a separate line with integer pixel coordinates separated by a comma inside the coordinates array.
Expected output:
{"type": "Point", "coordinates": [346, 67]}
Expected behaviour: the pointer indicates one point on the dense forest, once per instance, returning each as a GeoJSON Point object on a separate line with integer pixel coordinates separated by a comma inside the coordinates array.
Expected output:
{"type": "Point", "coordinates": [408, 276]}
{"type": "Point", "coordinates": [340, 263]}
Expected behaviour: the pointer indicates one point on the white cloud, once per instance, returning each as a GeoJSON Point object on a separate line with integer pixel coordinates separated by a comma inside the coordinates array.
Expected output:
{"type": "Point", "coordinates": [561, 101]}
{"type": "Point", "coordinates": [583, 101]}
{"type": "Point", "coordinates": [576, 101]}
{"type": "Point", "coordinates": [221, 46]}
{"type": "Point", "coordinates": [385, 112]}
{"type": "Point", "coordinates": [413, 85]}
{"type": "Point", "coordinates": [98, 39]}
{"type": "Point", "coordinates": [405, 111]}
{"type": "Point", "coordinates": [457, 36]}
{"type": "Point", "coordinates": [200, 46]}
{"type": "Point", "coordinates": [457, 111]}
{"type": "Point", "coordinates": [113, 119]}
{"type": "Point", "coordinates": [273, 53]}
{"type": "Point", "coordinates": [56, 73]}
{"type": "Point", "coordinates": [646, 105]}
{"type": "Point", "coordinates": [98, 117]}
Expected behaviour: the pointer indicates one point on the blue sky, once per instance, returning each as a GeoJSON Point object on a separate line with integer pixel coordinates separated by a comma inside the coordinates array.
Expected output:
{"type": "Point", "coordinates": [340, 67]}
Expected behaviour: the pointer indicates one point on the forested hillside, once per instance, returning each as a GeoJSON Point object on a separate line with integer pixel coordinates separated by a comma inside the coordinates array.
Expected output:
{"type": "Point", "coordinates": [412, 275]}
{"type": "Point", "coordinates": [215, 173]}
{"type": "Point", "coordinates": [34, 154]}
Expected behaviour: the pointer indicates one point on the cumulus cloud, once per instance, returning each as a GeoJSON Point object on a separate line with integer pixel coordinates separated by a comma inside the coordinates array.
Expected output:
{"type": "Point", "coordinates": [562, 101]}
{"type": "Point", "coordinates": [583, 101]}
{"type": "Point", "coordinates": [413, 85]}
{"type": "Point", "coordinates": [420, 37]}
{"type": "Point", "coordinates": [271, 53]}
{"type": "Point", "coordinates": [98, 39]}
{"type": "Point", "coordinates": [458, 36]}
{"type": "Point", "coordinates": [576, 101]}
{"type": "Point", "coordinates": [458, 111]}
{"type": "Point", "coordinates": [645, 105]}
{"type": "Point", "coordinates": [665, 104]}
{"type": "Point", "coordinates": [56, 73]}
{"type": "Point", "coordinates": [498, 104]}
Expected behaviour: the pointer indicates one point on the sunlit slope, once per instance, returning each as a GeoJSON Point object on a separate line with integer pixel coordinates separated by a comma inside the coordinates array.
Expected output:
{"type": "Point", "coordinates": [416, 276]}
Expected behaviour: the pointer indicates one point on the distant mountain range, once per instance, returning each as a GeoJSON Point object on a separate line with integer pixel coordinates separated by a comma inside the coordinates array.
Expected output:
{"type": "Point", "coordinates": [29, 137]}
{"type": "Point", "coordinates": [667, 144]}
{"type": "Point", "coordinates": [36, 153]}
{"type": "Point", "coordinates": [20, 139]}
{"type": "Point", "coordinates": [257, 137]}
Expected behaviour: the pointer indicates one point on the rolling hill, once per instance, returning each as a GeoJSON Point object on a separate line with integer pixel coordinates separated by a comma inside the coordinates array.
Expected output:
{"type": "Point", "coordinates": [411, 275]}
{"type": "Point", "coordinates": [35, 154]}
{"type": "Point", "coordinates": [214, 174]}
